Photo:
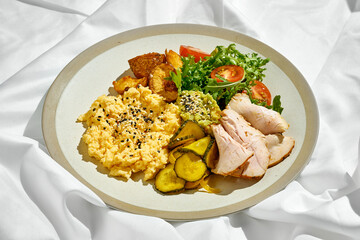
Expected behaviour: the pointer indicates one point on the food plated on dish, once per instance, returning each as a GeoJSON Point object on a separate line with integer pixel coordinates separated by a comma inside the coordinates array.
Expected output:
{"type": "Point", "coordinates": [90, 74]}
{"type": "Point", "coordinates": [181, 118]}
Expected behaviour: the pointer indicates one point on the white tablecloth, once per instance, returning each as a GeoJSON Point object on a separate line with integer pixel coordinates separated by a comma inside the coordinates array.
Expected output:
{"type": "Point", "coordinates": [40, 200]}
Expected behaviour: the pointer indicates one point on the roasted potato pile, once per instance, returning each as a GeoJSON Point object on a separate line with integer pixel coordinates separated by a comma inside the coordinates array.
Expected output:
{"type": "Point", "coordinates": [151, 70]}
{"type": "Point", "coordinates": [142, 65]}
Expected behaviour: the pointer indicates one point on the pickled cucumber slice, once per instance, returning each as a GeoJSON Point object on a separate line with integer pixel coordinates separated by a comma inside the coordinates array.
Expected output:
{"type": "Point", "coordinates": [190, 167]}
{"type": "Point", "coordinates": [188, 130]}
{"type": "Point", "coordinates": [211, 155]}
{"type": "Point", "coordinates": [198, 147]}
{"type": "Point", "coordinates": [166, 180]}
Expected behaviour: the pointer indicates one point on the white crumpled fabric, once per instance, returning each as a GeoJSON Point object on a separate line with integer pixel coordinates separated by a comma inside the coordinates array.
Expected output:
{"type": "Point", "coordinates": [40, 200]}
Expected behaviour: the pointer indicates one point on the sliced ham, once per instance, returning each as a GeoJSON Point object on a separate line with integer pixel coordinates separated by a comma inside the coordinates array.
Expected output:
{"type": "Point", "coordinates": [279, 147]}
{"type": "Point", "coordinates": [232, 155]}
{"type": "Point", "coordinates": [241, 130]}
{"type": "Point", "coordinates": [266, 120]}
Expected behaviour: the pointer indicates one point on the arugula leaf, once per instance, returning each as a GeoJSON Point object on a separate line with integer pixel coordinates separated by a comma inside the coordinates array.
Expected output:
{"type": "Point", "coordinates": [277, 104]}
{"type": "Point", "coordinates": [222, 92]}
{"type": "Point", "coordinates": [176, 78]}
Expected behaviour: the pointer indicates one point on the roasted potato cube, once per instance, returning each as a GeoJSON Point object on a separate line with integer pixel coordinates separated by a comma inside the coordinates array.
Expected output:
{"type": "Point", "coordinates": [142, 65]}
{"type": "Point", "coordinates": [173, 59]}
{"type": "Point", "coordinates": [158, 84]}
{"type": "Point", "coordinates": [124, 83]}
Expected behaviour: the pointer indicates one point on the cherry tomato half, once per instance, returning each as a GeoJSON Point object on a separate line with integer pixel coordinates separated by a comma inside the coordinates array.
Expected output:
{"type": "Point", "coordinates": [196, 52]}
{"type": "Point", "coordinates": [232, 73]}
{"type": "Point", "coordinates": [261, 92]}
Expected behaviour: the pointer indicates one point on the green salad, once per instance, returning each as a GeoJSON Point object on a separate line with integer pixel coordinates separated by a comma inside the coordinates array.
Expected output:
{"type": "Point", "coordinates": [223, 73]}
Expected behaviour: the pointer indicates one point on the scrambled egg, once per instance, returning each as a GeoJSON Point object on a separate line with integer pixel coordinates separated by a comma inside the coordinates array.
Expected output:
{"type": "Point", "coordinates": [129, 133]}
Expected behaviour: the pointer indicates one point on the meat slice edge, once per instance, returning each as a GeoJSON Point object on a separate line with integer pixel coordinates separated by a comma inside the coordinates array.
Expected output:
{"type": "Point", "coordinates": [241, 130]}
{"type": "Point", "coordinates": [266, 120]}
{"type": "Point", "coordinates": [279, 146]}
{"type": "Point", "coordinates": [232, 155]}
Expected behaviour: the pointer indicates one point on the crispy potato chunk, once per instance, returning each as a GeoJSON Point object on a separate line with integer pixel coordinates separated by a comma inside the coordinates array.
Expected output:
{"type": "Point", "coordinates": [158, 84]}
{"type": "Point", "coordinates": [142, 65]}
{"type": "Point", "coordinates": [173, 58]}
{"type": "Point", "coordinates": [124, 83]}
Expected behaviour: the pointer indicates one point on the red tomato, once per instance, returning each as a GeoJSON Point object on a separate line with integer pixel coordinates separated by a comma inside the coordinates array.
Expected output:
{"type": "Point", "coordinates": [196, 52]}
{"type": "Point", "coordinates": [261, 92]}
{"type": "Point", "coordinates": [232, 73]}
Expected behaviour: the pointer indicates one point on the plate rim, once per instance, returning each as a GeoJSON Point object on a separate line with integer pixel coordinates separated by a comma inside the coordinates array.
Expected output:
{"type": "Point", "coordinates": [63, 78]}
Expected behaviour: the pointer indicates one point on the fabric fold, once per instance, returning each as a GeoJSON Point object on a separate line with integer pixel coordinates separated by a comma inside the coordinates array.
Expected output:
{"type": "Point", "coordinates": [41, 200]}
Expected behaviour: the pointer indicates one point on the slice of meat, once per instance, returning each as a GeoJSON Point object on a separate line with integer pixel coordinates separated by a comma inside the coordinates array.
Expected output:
{"type": "Point", "coordinates": [232, 154]}
{"type": "Point", "coordinates": [266, 120]}
{"type": "Point", "coordinates": [255, 166]}
{"type": "Point", "coordinates": [279, 147]}
{"type": "Point", "coordinates": [252, 139]}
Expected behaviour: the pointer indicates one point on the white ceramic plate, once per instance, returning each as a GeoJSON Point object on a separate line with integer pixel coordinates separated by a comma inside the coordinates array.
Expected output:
{"type": "Point", "coordinates": [90, 75]}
